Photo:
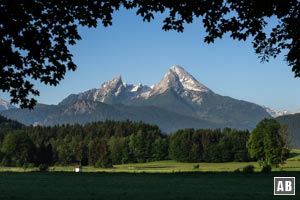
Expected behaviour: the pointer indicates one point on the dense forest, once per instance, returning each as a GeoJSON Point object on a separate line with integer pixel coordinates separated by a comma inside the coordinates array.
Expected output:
{"type": "Point", "coordinates": [103, 144]}
{"type": "Point", "coordinates": [205, 145]}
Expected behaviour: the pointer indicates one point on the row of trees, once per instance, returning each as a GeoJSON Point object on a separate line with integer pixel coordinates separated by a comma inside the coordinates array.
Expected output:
{"type": "Point", "coordinates": [103, 144]}
{"type": "Point", "coordinates": [191, 145]}
{"type": "Point", "coordinates": [100, 144]}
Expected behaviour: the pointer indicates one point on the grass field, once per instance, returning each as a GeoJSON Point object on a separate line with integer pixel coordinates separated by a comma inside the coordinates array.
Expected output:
{"type": "Point", "coordinates": [167, 166]}
{"type": "Point", "coordinates": [118, 186]}
{"type": "Point", "coordinates": [167, 180]}
{"type": "Point", "coordinates": [170, 166]}
{"type": "Point", "coordinates": [294, 155]}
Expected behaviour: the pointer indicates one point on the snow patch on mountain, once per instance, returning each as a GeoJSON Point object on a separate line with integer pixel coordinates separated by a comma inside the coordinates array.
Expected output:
{"type": "Point", "coordinates": [276, 113]}
{"type": "Point", "coordinates": [136, 88]}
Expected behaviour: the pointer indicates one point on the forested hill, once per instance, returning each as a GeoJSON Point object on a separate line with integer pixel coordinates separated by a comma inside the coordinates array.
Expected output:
{"type": "Point", "coordinates": [293, 123]}
{"type": "Point", "coordinates": [7, 124]}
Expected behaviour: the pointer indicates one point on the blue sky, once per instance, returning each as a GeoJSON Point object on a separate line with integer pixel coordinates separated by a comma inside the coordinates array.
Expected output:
{"type": "Point", "coordinates": [142, 52]}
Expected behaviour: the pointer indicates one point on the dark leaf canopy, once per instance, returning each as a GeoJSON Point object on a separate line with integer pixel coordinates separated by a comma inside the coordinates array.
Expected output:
{"type": "Point", "coordinates": [35, 34]}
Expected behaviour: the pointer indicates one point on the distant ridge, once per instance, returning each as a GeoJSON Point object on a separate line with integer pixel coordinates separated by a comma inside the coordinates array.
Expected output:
{"type": "Point", "coordinates": [177, 101]}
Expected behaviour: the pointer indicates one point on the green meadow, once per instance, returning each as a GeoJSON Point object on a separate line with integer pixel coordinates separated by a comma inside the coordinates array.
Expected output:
{"type": "Point", "coordinates": [168, 166]}
{"type": "Point", "coordinates": [167, 180]}
{"type": "Point", "coordinates": [171, 166]}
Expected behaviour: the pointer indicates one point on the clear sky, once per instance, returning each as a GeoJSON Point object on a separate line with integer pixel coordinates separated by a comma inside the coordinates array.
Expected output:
{"type": "Point", "coordinates": [142, 52]}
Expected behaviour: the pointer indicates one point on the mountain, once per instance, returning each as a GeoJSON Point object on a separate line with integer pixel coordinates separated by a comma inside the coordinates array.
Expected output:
{"type": "Point", "coordinates": [111, 92]}
{"type": "Point", "coordinates": [293, 124]}
{"type": "Point", "coordinates": [177, 101]}
{"type": "Point", "coordinates": [4, 105]}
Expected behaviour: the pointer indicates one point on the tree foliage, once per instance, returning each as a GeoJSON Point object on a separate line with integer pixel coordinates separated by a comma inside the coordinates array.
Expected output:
{"type": "Point", "coordinates": [99, 144]}
{"type": "Point", "coordinates": [99, 153]}
{"type": "Point", "coordinates": [205, 145]}
{"type": "Point", "coordinates": [266, 143]}
{"type": "Point", "coordinates": [18, 149]}
{"type": "Point", "coordinates": [35, 34]}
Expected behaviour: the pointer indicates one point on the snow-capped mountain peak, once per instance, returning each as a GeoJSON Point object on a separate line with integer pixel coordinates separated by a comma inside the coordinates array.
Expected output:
{"type": "Point", "coordinates": [108, 89]}
{"type": "Point", "coordinates": [116, 90]}
{"type": "Point", "coordinates": [179, 79]}
{"type": "Point", "coordinates": [183, 83]}
{"type": "Point", "coordinates": [187, 80]}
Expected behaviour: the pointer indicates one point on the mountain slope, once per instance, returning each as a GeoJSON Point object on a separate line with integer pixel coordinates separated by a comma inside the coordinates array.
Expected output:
{"type": "Point", "coordinates": [293, 124]}
{"type": "Point", "coordinates": [89, 111]}
{"type": "Point", "coordinates": [230, 112]}
{"type": "Point", "coordinates": [177, 101]}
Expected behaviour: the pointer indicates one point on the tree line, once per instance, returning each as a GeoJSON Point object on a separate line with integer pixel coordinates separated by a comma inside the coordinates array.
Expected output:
{"type": "Point", "coordinates": [205, 145]}
{"type": "Point", "coordinates": [99, 144]}
{"type": "Point", "coordinates": [102, 144]}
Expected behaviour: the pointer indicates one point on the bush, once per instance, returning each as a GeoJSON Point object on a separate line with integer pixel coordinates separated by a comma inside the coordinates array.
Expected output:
{"type": "Point", "coordinates": [43, 167]}
{"type": "Point", "coordinates": [266, 169]}
{"type": "Point", "coordinates": [6, 162]}
{"type": "Point", "coordinates": [237, 170]}
{"type": "Point", "coordinates": [28, 165]}
{"type": "Point", "coordinates": [248, 169]}
{"type": "Point", "coordinates": [104, 164]}
{"type": "Point", "coordinates": [196, 166]}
